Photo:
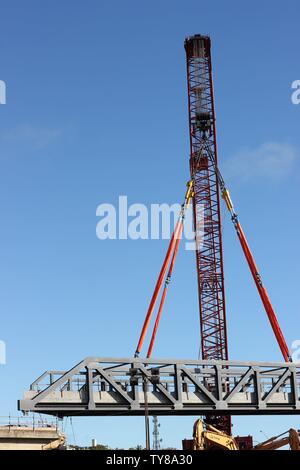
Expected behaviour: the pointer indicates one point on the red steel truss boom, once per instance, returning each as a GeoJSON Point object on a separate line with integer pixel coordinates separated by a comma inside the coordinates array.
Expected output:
{"type": "Point", "coordinates": [206, 205]}
{"type": "Point", "coordinates": [206, 202]}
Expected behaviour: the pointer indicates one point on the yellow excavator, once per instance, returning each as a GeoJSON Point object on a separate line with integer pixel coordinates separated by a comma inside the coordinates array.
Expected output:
{"type": "Point", "coordinates": [55, 445]}
{"type": "Point", "coordinates": [290, 438]}
{"type": "Point", "coordinates": [207, 437]}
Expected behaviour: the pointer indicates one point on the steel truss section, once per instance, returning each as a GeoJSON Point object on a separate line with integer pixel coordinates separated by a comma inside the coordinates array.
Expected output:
{"type": "Point", "coordinates": [209, 256]}
{"type": "Point", "coordinates": [206, 204]}
{"type": "Point", "coordinates": [118, 387]}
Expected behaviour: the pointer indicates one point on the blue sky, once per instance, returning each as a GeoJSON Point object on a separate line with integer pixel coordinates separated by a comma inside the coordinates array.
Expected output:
{"type": "Point", "coordinates": [97, 108]}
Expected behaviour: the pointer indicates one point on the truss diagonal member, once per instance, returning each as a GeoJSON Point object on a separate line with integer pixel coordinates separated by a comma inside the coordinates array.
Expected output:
{"type": "Point", "coordinates": [244, 379]}
{"type": "Point", "coordinates": [109, 379]}
{"type": "Point", "coordinates": [60, 381]}
{"type": "Point", "coordinates": [159, 387]}
{"type": "Point", "coordinates": [38, 380]}
{"type": "Point", "coordinates": [199, 385]}
{"type": "Point", "coordinates": [276, 386]}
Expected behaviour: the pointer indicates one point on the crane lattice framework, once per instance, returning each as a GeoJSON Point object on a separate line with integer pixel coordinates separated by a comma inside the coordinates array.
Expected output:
{"type": "Point", "coordinates": [206, 202]}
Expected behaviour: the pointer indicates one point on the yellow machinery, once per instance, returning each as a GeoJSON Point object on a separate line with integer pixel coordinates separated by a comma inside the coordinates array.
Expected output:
{"type": "Point", "coordinates": [55, 445]}
{"type": "Point", "coordinates": [206, 437]}
{"type": "Point", "coordinates": [292, 439]}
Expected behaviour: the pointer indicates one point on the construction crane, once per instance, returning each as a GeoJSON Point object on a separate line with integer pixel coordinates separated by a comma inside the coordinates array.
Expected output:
{"type": "Point", "coordinates": [204, 190]}
{"type": "Point", "coordinates": [209, 253]}
{"type": "Point", "coordinates": [206, 206]}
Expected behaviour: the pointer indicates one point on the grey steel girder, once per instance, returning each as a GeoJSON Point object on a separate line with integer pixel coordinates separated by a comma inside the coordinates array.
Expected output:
{"type": "Point", "coordinates": [116, 387]}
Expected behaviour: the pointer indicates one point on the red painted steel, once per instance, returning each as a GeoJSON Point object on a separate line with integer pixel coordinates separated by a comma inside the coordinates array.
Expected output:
{"type": "Point", "coordinates": [170, 258]}
{"type": "Point", "coordinates": [263, 293]}
{"type": "Point", "coordinates": [252, 265]}
{"type": "Point", "coordinates": [209, 256]}
{"type": "Point", "coordinates": [206, 204]}
{"type": "Point", "coordinates": [158, 287]}
{"type": "Point", "coordinates": [164, 294]}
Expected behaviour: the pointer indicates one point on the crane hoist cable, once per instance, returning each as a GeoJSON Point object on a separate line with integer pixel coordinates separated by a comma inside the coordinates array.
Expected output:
{"type": "Point", "coordinates": [171, 253]}
{"type": "Point", "coordinates": [251, 262]}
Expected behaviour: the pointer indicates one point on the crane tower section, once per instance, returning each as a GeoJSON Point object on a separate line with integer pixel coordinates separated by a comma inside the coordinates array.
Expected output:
{"type": "Point", "coordinates": [206, 202]}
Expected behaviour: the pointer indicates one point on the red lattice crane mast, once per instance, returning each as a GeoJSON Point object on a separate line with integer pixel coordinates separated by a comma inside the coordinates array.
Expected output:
{"type": "Point", "coordinates": [206, 202]}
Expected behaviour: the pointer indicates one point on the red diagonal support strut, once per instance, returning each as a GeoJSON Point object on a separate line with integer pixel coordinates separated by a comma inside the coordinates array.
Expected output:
{"type": "Point", "coordinates": [171, 254]}
{"type": "Point", "coordinates": [164, 294]}
{"type": "Point", "coordinates": [263, 293]}
{"type": "Point", "coordinates": [157, 288]}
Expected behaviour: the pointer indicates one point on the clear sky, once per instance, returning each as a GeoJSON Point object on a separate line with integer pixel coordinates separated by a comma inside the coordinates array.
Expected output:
{"type": "Point", "coordinates": [97, 108]}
